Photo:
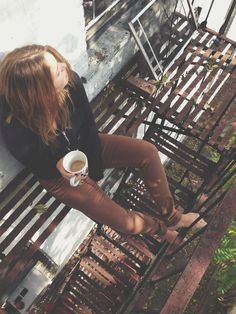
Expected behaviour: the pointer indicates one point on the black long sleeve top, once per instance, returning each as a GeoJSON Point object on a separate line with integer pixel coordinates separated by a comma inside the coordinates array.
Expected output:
{"type": "Point", "coordinates": [28, 148]}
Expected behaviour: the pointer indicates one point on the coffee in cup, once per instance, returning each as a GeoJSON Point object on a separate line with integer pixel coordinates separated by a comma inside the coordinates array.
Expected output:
{"type": "Point", "coordinates": [77, 165]}
{"type": "Point", "coordinates": [75, 162]}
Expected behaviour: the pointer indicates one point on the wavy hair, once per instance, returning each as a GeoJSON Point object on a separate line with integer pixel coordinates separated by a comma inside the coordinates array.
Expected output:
{"type": "Point", "coordinates": [27, 87]}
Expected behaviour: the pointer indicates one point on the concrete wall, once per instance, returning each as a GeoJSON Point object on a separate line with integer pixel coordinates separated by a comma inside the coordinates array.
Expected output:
{"type": "Point", "coordinates": [116, 46]}
{"type": "Point", "coordinates": [58, 23]}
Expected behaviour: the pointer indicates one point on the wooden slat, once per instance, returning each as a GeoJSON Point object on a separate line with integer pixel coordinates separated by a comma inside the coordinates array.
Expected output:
{"type": "Point", "coordinates": [119, 115]}
{"type": "Point", "coordinates": [172, 149]}
{"type": "Point", "coordinates": [22, 243]}
{"type": "Point", "coordinates": [125, 128]}
{"type": "Point", "coordinates": [178, 65]}
{"type": "Point", "coordinates": [207, 95]}
{"type": "Point", "coordinates": [22, 206]}
{"type": "Point", "coordinates": [79, 297]}
{"type": "Point", "coordinates": [13, 187]}
{"type": "Point", "coordinates": [201, 88]}
{"type": "Point", "coordinates": [118, 241]}
{"type": "Point", "coordinates": [178, 39]}
{"type": "Point", "coordinates": [20, 227]}
{"type": "Point", "coordinates": [83, 277]}
{"type": "Point", "coordinates": [223, 98]}
{"type": "Point", "coordinates": [10, 200]}
{"type": "Point", "coordinates": [97, 296]}
{"type": "Point", "coordinates": [123, 284]}
{"type": "Point", "coordinates": [102, 101]}
{"type": "Point", "coordinates": [181, 71]}
{"type": "Point", "coordinates": [201, 73]}
{"type": "Point", "coordinates": [111, 110]}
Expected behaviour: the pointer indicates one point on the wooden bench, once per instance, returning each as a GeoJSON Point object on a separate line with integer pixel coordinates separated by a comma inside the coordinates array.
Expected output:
{"type": "Point", "coordinates": [200, 96]}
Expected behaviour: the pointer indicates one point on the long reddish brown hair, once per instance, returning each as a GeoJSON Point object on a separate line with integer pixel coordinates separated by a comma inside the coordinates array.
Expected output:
{"type": "Point", "coordinates": [27, 87]}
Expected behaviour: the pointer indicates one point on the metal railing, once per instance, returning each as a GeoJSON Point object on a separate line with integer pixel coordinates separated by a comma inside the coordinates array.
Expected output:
{"type": "Point", "coordinates": [158, 47]}
{"type": "Point", "coordinates": [94, 10]}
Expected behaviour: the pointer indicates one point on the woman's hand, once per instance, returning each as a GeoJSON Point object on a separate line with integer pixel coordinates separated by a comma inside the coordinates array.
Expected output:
{"type": "Point", "coordinates": [67, 175]}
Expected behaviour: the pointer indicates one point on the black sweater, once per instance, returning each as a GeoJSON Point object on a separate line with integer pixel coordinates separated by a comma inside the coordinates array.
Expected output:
{"type": "Point", "coordinates": [41, 159]}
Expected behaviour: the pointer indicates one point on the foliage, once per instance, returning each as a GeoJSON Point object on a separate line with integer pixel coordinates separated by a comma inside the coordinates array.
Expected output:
{"type": "Point", "coordinates": [229, 183]}
{"type": "Point", "coordinates": [41, 208]}
{"type": "Point", "coordinates": [232, 140]}
{"type": "Point", "coordinates": [225, 259]}
{"type": "Point", "coordinates": [162, 82]}
{"type": "Point", "coordinates": [210, 65]}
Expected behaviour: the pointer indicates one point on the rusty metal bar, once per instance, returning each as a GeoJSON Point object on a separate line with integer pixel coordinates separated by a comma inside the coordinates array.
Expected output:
{"type": "Point", "coordinates": [195, 22]}
{"type": "Point", "coordinates": [228, 17]}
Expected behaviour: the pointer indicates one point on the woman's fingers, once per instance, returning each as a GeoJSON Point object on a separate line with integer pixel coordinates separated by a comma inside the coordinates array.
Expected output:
{"type": "Point", "coordinates": [80, 177]}
{"type": "Point", "coordinates": [67, 175]}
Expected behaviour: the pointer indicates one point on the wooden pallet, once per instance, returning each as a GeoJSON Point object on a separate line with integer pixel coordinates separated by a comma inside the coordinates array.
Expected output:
{"type": "Point", "coordinates": [200, 95]}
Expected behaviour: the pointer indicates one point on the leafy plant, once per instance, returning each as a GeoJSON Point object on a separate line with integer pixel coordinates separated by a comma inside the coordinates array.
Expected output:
{"type": "Point", "coordinates": [231, 141]}
{"type": "Point", "coordinates": [210, 65]}
{"type": "Point", "coordinates": [41, 208]}
{"type": "Point", "coordinates": [162, 82]}
{"type": "Point", "coordinates": [225, 259]}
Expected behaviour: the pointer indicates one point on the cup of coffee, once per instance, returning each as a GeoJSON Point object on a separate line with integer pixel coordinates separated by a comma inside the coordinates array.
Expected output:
{"type": "Point", "coordinates": [75, 162]}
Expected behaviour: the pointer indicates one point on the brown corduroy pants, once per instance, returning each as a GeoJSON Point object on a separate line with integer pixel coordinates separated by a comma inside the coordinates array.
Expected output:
{"type": "Point", "coordinates": [121, 151]}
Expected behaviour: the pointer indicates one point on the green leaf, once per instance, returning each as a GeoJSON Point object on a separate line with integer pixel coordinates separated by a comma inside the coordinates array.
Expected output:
{"type": "Point", "coordinates": [226, 278]}
{"type": "Point", "coordinates": [154, 82]}
{"type": "Point", "coordinates": [165, 78]}
{"type": "Point", "coordinates": [225, 257]}
{"type": "Point", "coordinates": [41, 208]}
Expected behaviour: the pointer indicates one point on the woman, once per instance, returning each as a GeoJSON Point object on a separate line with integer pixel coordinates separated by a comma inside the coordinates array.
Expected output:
{"type": "Point", "coordinates": [45, 113]}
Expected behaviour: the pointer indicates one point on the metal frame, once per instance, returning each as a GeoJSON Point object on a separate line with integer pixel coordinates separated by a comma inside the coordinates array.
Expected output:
{"type": "Point", "coordinates": [191, 10]}
{"type": "Point", "coordinates": [135, 34]}
{"type": "Point", "coordinates": [115, 10]}
{"type": "Point", "coordinates": [144, 51]}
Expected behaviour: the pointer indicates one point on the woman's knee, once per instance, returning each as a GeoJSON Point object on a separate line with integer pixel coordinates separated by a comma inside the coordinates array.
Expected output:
{"type": "Point", "coordinates": [149, 153]}
{"type": "Point", "coordinates": [150, 148]}
{"type": "Point", "coordinates": [133, 224]}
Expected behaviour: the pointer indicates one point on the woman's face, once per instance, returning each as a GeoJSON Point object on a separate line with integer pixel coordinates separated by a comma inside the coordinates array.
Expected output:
{"type": "Point", "coordinates": [58, 71]}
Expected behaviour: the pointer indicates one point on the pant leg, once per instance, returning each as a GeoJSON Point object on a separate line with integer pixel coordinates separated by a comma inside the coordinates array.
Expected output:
{"type": "Point", "coordinates": [93, 202]}
{"type": "Point", "coordinates": [122, 151]}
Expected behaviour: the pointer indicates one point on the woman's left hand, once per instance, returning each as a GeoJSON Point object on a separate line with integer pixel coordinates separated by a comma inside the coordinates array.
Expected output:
{"type": "Point", "coordinates": [67, 175]}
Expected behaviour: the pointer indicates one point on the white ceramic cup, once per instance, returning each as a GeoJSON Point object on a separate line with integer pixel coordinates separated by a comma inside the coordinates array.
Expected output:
{"type": "Point", "coordinates": [76, 162]}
